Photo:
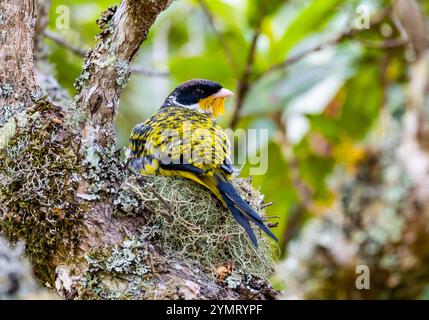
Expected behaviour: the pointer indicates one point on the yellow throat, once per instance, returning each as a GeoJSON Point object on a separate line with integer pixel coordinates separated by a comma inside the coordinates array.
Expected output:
{"type": "Point", "coordinates": [213, 105]}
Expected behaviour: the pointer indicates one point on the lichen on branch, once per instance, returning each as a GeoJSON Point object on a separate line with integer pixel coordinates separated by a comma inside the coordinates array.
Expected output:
{"type": "Point", "coordinates": [91, 229]}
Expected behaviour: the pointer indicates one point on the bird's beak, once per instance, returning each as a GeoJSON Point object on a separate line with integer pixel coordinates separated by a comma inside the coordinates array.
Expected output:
{"type": "Point", "coordinates": [223, 93]}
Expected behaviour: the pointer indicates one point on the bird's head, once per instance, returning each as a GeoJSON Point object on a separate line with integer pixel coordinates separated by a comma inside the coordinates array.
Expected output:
{"type": "Point", "coordinates": [202, 95]}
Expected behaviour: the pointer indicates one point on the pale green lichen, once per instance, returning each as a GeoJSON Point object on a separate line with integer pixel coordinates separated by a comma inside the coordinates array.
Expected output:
{"type": "Point", "coordinates": [8, 130]}
{"type": "Point", "coordinates": [103, 172]}
{"type": "Point", "coordinates": [123, 72]}
{"type": "Point", "coordinates": [2, 18]}
{"type": "Point", "coordinates": [108, 59]}
{"type": "Point", "coordinates": [38, 95]}
{"type": "Point", "coordinates": [84, 76]}
{"type": "Point", "coordinates": [234, 280]}
{"type": "Point", "coordinates": [6, 90]}
{"type": "Point", "coordinates": [105, 22]}
{"type": "Point", "coordinates": [8, 111]}
{"type": "Point", "coordinates": [74, 117]}
{"type": "Point", "coordinates": [121, 272]}
{"type": "Point", "coordinates": [37, 190]}
{"type": "Point", "coordinates": [196, 226]}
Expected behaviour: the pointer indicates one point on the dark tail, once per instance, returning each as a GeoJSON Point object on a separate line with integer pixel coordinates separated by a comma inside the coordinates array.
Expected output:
{"type": "Point", "coordinates": [241, 210]}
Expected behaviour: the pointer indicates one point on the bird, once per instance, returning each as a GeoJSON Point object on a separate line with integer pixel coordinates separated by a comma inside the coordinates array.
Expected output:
{"type": "Point", "coordinates": [182, 139]}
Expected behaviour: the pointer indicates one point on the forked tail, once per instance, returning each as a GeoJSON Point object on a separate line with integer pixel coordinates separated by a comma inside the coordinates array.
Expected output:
{"type": "Point", "coordinates": [240, 209]}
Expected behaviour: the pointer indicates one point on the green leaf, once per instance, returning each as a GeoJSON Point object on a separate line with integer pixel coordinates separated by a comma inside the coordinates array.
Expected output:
{"type": "Point", "coordinates": [307, 22]}
{"type": "Point", "coordinates": [276, 91]}
{"type": "Point", "coordinates": [207, 67]}
{"type": "Point", "coordinates": [257, 7]}
{"type": "Point", "coordinates": [360, 110]}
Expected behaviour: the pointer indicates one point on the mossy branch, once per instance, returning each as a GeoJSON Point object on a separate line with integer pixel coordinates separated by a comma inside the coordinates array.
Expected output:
{"type": "Point", "coordinates": [91, 230]}
{"type": "Point", "coordinates": [107, 66]}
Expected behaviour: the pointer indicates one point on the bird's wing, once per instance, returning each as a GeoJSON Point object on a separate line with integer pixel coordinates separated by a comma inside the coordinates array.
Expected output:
{"type": "Point", "coordinates": [178, 140]}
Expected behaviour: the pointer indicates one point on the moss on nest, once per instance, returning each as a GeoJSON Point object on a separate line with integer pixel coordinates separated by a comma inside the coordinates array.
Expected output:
{"type": "Point", "coordinates": [194, 225]}
{"type": "Point", "coordinates": [37, 167]}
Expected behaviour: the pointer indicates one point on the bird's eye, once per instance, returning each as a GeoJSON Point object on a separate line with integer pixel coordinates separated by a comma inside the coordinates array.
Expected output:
{"type": "Point", "coordinates": [199, 92]}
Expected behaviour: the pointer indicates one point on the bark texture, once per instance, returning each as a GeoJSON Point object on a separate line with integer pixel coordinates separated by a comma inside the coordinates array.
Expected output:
{"type": "Point", "coordinates": [63, 189]}
{"type": "Point", "coordinates": [17, 78]}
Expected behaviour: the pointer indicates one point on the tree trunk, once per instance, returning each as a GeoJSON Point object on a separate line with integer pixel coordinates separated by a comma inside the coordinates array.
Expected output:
{"type": "Point", "coordinates": [63, 188]}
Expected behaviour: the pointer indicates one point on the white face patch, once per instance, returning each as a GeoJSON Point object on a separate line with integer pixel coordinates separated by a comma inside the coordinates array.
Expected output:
{"type": "Point", "coordinates": [196, 107]}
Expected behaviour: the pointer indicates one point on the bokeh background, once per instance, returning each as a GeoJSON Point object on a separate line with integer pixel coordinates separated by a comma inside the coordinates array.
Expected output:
{"type": "Point", "coordinates": [326, 78]}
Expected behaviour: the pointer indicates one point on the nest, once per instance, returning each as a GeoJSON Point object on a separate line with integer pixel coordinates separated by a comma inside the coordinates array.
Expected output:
{"type": "Point", "coordinates": [194, 225]}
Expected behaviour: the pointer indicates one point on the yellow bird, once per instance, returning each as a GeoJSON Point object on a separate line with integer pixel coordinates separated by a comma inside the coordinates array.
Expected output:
{"type": "Point", "coordinates": [182, 139]}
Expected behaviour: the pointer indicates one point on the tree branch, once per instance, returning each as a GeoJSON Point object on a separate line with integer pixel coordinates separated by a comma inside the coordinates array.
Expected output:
{"type": "Point", "coordinates": [17, 72]}
{"type": "Point", "coordinates": [222, 40]}
{"type": "Point", "coordinates": [244, 81]}
{"type": "Point", "coordinates": [415, 144]}
{"type": "Point", "coordinates": [106, 68]}
{"type": "Point", "coordinates": [414, 23]}
{"type": "Point", "coordinates": [82, 53]}
{"type": "Point", "coordinates": [345, 35]}
{"type": "Point", "coordinates": [90, 230]}
{"type": "Point", "coordinates": [63, 43]}
{"type": "Point", "coordinates": [298, 57]}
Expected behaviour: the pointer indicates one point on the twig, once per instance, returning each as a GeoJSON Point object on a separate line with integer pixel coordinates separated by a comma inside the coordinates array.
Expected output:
{"type": "Point", "coordinates": [148, 72]}
{"type": "Point", "coordinates": [265, 205]}
{"type": "Point", "coordinates": [387, 44]}
{"type": "Point", "coordinates": [347, 34]}
{"type": "Point", "coordinates": [298, 57]}
{"type": "Point", "coordinates": [222, 40]}
{"type": "Point", "coordinates": [81, 53]}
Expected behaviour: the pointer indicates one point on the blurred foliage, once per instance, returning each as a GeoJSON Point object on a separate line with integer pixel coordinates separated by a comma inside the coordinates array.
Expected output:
{"type": "Point", "coordinates": [324, 105]}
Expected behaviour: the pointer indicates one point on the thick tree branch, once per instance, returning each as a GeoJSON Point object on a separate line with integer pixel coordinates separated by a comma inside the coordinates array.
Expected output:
{"type": "Point", "coordinates": [17, 73]}
{"type": "Point", "coordinates": [415, 144]}
{"type": "Point", "coordinates": [90, 230]}
{"type": "Point", "coordinates": [414, 23]}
